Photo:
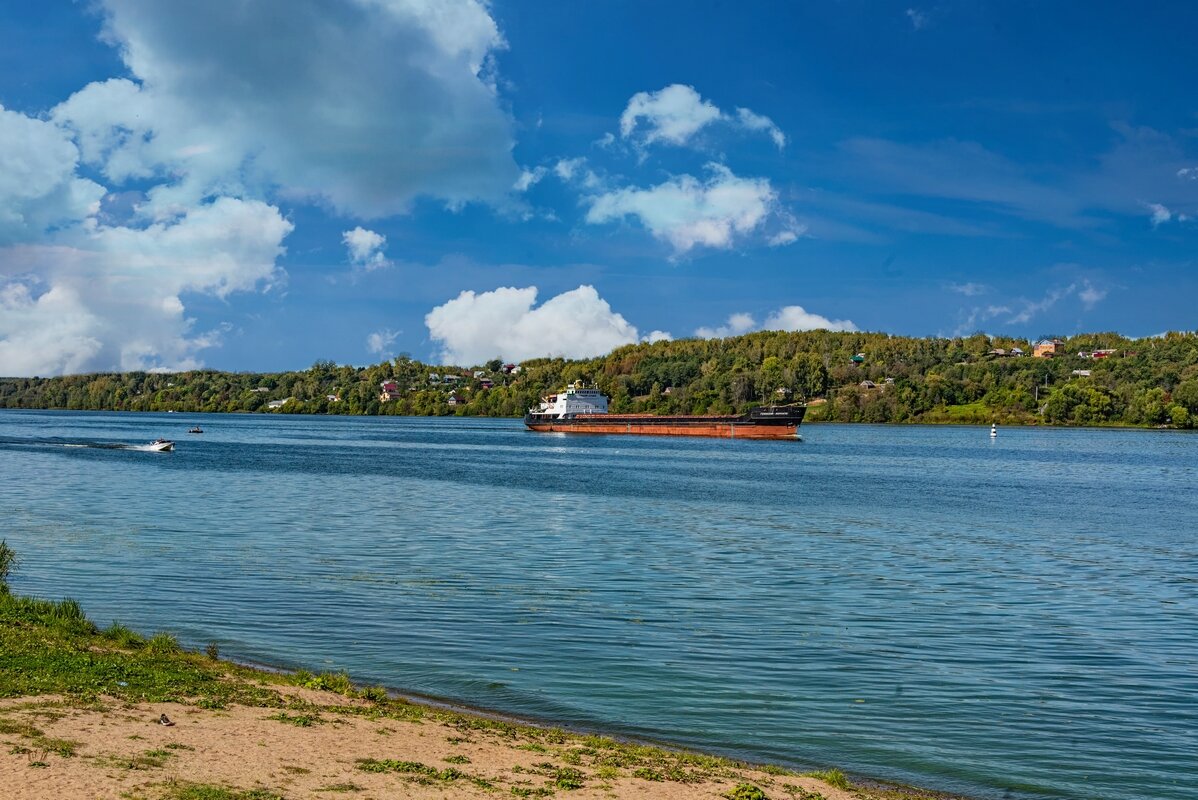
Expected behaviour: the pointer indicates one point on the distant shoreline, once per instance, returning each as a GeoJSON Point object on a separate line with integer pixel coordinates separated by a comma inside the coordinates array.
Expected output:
{"type": "Point", "coordinates": [806, 423]}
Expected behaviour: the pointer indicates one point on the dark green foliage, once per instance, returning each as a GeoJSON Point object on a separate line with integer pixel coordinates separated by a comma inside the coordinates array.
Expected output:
{"type": "Point", "coordinates": [123, 637]}
{"type": "Point", "coordinates": [1144, 382]}
{"type": "Point", "coordinates": [8, 564]}
{"type": "Point", "coordinates": [746, 791]}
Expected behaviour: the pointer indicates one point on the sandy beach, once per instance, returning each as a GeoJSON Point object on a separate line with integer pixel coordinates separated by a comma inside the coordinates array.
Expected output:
{"type": "Point", "coordinates": [323, 744]}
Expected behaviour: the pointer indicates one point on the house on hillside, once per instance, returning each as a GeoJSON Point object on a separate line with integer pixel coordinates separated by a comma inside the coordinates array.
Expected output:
{"type": "Point", "coordinates": [508, 369]}
{"type": "Point", "coordinates": [277, 404]}
{"type": "Point", "coordinates": [1048, 348]}
{"type": "Point", "coordinates": [454, 400]}
{"type": "Point", "coordinates": [486, 383]}
{"type": "Point", "coordinates": [390, 391]}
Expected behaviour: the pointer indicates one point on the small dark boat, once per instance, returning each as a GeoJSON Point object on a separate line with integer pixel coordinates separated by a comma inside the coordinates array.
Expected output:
{"type": "Point", "coordinates": [196, 429]}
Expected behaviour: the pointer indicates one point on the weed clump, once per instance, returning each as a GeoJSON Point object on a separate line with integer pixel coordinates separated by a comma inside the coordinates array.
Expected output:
{"type": "Point", "coordinates": [8, 564]}
{"type": "Point", "coordinates": [832, 777]}
{"type": "Point", "coordinates": [163, 644]}
{"type": "Point", "coordinates": [123, 637]}
{"type": "Point", "coordinates": [746, 791]}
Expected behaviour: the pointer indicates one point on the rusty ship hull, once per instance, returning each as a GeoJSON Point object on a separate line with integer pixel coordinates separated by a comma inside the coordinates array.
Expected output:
{"type": "Point", "coordinates": [773, 422]}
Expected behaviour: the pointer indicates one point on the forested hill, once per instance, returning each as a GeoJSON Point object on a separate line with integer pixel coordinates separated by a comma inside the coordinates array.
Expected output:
{"type": "Point", "coordinates": [848, 377]}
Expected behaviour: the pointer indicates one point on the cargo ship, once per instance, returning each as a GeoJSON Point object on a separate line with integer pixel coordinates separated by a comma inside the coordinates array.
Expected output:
{"type": "Point", "coordinates": [579, 410]}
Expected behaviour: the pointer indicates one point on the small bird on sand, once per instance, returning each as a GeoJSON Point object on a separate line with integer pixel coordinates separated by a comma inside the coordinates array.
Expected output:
{"type": "Point", "coordinates": [165, 720]}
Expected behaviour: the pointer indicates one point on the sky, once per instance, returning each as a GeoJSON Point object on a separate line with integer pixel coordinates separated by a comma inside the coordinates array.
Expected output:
{"type": "Point", "coordinates": [259, 186]}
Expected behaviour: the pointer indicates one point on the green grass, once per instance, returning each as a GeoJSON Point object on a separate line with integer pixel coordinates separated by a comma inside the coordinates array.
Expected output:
{"type": "Point", "coordinates": [832, 777]}
{"type": "Point", "coordinates": [8, 564]}
{"type": "Point", "coordinates": [123, 637]}
{"type": "Point", "coordinates": [298, 720]}
{"type": "Point", "coordinates": [49, 647]}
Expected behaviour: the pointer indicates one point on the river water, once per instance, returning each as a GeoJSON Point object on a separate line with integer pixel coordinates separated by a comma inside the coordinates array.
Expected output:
{"type": "Point", "coordinates": [1015, 617]}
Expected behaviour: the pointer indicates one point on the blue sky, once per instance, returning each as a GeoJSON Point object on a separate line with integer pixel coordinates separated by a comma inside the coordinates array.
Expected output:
{"type": "Point", "coordinates": [258, 186]}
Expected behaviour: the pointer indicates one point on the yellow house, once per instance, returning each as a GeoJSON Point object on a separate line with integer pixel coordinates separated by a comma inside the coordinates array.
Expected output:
{"type": "Point", "coordinates": [1048, 348]}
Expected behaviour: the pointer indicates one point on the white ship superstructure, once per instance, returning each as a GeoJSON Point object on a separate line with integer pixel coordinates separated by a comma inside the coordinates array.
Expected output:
{"type": "Point", "coordinates": [574, 400]}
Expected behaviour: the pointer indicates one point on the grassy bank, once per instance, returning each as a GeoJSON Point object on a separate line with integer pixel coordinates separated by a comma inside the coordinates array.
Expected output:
{"type": "Point", "coordinates": [80, 707]}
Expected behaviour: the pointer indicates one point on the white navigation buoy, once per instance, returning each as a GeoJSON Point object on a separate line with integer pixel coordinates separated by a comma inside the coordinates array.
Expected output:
{"type": "Point", "coordinates": [994, 430]}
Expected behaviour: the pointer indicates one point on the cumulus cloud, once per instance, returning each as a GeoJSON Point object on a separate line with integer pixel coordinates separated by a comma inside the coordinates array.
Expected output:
{"type": "Point", "coordinates": [787, 318]}
{"type": "Point", "coordinates": [365, 248]}
{"type": "Point", "coordinates": [687, 212]}
{"type": "Point", "coordinates": [98, 297]}
{"type": "Point", "coordinates": [657, 336]}
{"type": "Point", "coordinates": [672, 115]}
{"type": "Point", "coordinates": [210, 110]}
{"type": "Point", "coordinates": [1188, 173]}
{"type": "Point", "coordinates": [735, 326]}
{"type": "Point", "coordinates": [38, 185]}
{"type": "Point", "coordinates": [506, 323]}
{"type": "Point", "coordinates": [796, 318]}
{"type": "Point", "coordinates": [675, 114]}
{"type": "Point", "coordinates": [379, 341]}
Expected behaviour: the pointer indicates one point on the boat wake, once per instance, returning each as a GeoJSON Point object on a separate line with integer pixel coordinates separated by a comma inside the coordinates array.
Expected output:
{"type": "Point", "coordinates": [50, 443]}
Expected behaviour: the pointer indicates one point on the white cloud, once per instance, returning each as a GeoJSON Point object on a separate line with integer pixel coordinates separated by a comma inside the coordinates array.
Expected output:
{"type": "Point", "coordinates": [672, 115]}
{"type": "Point", "coordinates": [210, 110]}
{"type": "Point", "coordinates": [689, 213]}
{"type": "Point", "coordinates": [38, 186]}
{"type": "Point", "coordinates": [365, 248]}
{"type": "Point", "coordinates": [757, 122]}
{"type": "Point", "coordinates": [1160, 214]}
{"type": "Point", "coordinates": [657, 336]}
{"type": "Point", "coordinates": [784, 237]}
{"type": "Point", "coordinates": [735, 326]}
{"type": "Point", "coordinates": [969, 289]}
{"type": "Point", "coordinates": [675, 114]}
{"type": "Point", "coordinates": [1188, 173]}
{"type": "Point", "coordinates": [919, 19]}
{"type": "Point", "coordinates": [475, 327]}
{"type": "Point", "coordinates": [528, 179]}
{"type": "Point", "coordinates": [98, 297]}
{"type": "Point", "coordinates": [379, 341]}
{"type": "Point", "coordinates": [1085, 291]}
{"type": "Point", "coordinates": [796, 318]}
{"type": "Point", "coordinates": [1090, 295]}
{"type": "Point", "coordinates": [576, 169]}
{"type": "Point", "coordinates": [787, 318]}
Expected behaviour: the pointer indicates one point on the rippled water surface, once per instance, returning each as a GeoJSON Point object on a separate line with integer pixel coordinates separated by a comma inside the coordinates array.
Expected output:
{"type": "Point", "coordinates": [1008, 618]}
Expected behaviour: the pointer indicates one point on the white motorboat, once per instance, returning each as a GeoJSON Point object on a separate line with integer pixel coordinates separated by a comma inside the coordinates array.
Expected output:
{"type": "Point", "coordinates": [162, 445]}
